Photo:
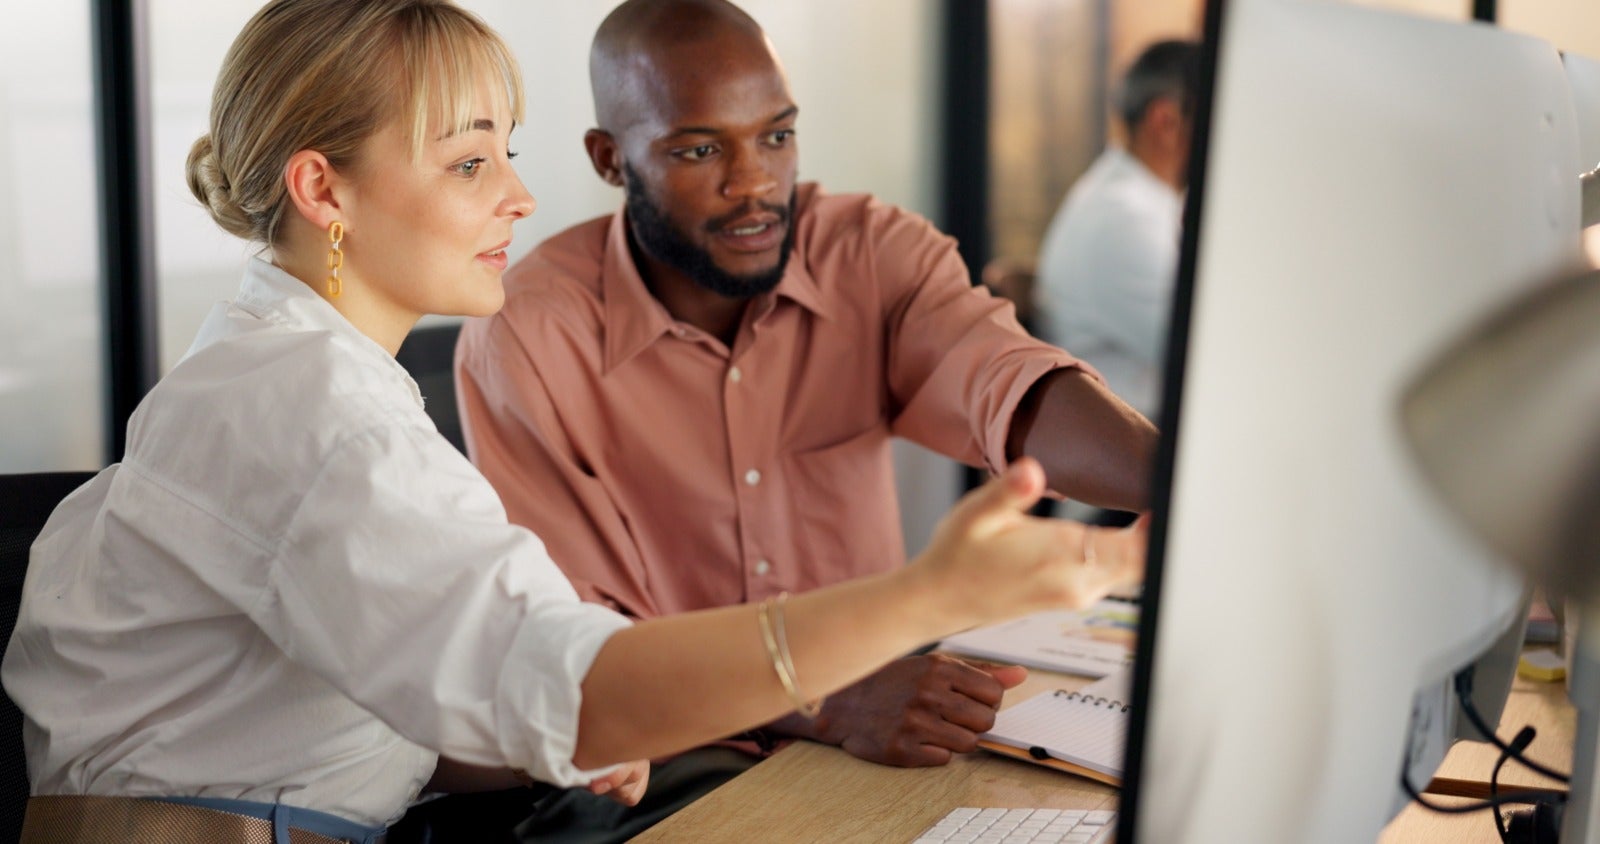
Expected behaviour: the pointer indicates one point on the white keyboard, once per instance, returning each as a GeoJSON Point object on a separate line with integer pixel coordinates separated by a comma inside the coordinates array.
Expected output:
{"type": "Point", "coordinates": [1006, 826]}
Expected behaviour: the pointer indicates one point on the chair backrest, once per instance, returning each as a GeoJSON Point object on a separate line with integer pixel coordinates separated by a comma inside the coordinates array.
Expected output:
{"type": "Point", "coordinates": [428, 353]}
{"type": "Point", "coordinates": [26, 502]}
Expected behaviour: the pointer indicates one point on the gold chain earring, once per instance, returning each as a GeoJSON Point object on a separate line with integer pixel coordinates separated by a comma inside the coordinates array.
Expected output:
{"type": "Point", "coordinates": [335, 258]}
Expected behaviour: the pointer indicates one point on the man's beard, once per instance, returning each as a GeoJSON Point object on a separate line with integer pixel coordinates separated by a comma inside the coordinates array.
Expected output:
{"type": "Point", "coordinates": [661, 240]}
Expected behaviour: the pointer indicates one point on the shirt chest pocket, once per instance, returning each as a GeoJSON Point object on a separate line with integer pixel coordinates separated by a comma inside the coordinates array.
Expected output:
{"type": "Point", "coordinates": [844, 512]}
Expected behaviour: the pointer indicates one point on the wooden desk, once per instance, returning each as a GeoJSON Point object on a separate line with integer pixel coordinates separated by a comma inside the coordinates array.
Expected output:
{"type": "Point", "coordinates": [811, 792]}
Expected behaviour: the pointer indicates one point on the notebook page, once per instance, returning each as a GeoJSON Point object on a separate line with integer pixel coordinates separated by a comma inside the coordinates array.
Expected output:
{"type": "Point", "coordinates": [1117, 686]}
{"type": "Point", "coordinates": [1068, 727]}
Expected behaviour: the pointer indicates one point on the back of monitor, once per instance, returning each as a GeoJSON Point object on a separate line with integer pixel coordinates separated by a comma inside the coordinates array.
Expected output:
{"type": "Point", "coordinates": [1372, 184]}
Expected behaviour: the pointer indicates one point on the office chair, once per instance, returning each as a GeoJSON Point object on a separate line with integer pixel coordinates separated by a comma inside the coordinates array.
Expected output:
{"type": "Point", "coordinates": [26, 502]}
{"type": "Point", "coordinates": [428, 353]}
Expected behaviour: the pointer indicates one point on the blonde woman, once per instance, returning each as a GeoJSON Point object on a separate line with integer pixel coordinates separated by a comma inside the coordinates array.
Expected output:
{"type": "Point", "coordinates": [293, 606]}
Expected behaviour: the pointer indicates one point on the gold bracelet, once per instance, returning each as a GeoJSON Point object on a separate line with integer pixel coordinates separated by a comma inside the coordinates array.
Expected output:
{"type": "Point", "coordinates": [810, 709]}
{"type": "Point", "coordinates": [782, 664]}
{"type": "Point", "coordinates": [764, 615]}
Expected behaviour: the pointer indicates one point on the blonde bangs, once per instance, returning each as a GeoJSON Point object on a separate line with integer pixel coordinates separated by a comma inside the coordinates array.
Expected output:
{"type": "Point", "coordinates": [446, 52]}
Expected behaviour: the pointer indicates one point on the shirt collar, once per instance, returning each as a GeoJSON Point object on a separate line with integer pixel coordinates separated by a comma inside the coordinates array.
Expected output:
{"type": "Point", "coordinates": [634, 318]}
{"type": "Point", "coordinates": [271, 293]}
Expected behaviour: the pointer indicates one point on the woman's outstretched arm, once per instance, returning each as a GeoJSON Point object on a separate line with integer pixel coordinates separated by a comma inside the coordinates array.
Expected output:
{"type": "Point", "coordinates": [668, 684]}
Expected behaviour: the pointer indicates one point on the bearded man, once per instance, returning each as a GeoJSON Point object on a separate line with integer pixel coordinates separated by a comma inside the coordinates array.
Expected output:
{"type": "Point", "coordinates": [691, 400]}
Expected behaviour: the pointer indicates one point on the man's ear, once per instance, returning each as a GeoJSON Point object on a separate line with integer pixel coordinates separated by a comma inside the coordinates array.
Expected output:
{"type": "Point", "coordinates": [604, 155]}
{"type": "Point", "coordinates": [314, 188]}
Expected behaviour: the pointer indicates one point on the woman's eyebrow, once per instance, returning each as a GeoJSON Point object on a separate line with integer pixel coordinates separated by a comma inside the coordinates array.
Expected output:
{"type": "Point", "coordinates": [483, 124]}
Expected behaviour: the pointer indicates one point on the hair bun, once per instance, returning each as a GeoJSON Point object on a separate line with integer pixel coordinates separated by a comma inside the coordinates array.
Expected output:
{"type": "Point", "coordinates": [209, 184]}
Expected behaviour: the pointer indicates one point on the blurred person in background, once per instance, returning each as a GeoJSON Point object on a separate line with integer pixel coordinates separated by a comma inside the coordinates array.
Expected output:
{"type": "Point", "coordinates": [1109, 261]}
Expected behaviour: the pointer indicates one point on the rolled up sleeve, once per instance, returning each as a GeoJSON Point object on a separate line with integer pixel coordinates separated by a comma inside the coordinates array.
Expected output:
{"type": "Point", "coordinates": [959, 362]}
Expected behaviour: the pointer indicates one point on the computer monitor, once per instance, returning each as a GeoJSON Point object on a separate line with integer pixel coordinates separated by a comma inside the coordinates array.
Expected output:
{"type": "Point", "coordinates": [1365, 186]}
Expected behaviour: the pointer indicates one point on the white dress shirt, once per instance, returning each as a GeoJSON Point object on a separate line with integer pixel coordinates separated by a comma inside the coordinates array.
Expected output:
{"type": "Point", "coordinates": [292, 589]}
{"type": "Point", "coordinates": [1106, 274]}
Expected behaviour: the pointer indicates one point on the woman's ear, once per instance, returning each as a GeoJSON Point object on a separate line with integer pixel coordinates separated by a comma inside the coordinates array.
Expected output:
{"type": "Point", "coordinates": [314, 187]}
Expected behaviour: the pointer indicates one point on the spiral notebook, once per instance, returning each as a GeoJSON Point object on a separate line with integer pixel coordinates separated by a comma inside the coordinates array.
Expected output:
{"type": "Point", "coordinates": [1081, 732]}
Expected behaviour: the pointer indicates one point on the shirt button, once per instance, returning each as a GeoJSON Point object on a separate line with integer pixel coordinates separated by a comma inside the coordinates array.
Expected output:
{"type": "Point", "coordinates": [752, 477]}
{"type": "Point", "coordinates": [762, 567]}
{"type": "Point", "coordinates": [734, 375]}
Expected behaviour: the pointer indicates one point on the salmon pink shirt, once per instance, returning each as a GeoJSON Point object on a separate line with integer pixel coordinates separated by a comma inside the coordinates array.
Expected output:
{"type": "Point", "coordinates": [667, 472]}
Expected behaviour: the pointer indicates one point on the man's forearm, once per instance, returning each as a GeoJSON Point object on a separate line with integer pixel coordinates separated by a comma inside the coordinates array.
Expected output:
{"type": "Point", "coordinates": [795, 725]}
{"type": "Point", "coordinates": [1094, 447]}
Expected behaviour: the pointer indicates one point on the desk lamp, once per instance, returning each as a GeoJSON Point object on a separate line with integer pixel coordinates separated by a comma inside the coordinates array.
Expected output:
{"type": "Point", "coordinates": [1505, 425]}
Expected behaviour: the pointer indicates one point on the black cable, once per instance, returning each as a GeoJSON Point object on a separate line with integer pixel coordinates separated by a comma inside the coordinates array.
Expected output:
{"type": "Point", "coordinates": [1520, 743]}
{"type": "Point", "coordinates": [1534, 797]}
{"type": "Point", "coordinates": [1464, 692]}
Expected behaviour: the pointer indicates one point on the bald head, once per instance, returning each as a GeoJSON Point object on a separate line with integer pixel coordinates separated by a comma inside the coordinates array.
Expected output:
{"type": "Point", "coordinates": [646, 51]}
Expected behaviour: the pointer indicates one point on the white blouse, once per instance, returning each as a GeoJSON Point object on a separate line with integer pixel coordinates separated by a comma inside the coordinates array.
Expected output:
{"type": "Point", "coordinates": [292, 589]}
